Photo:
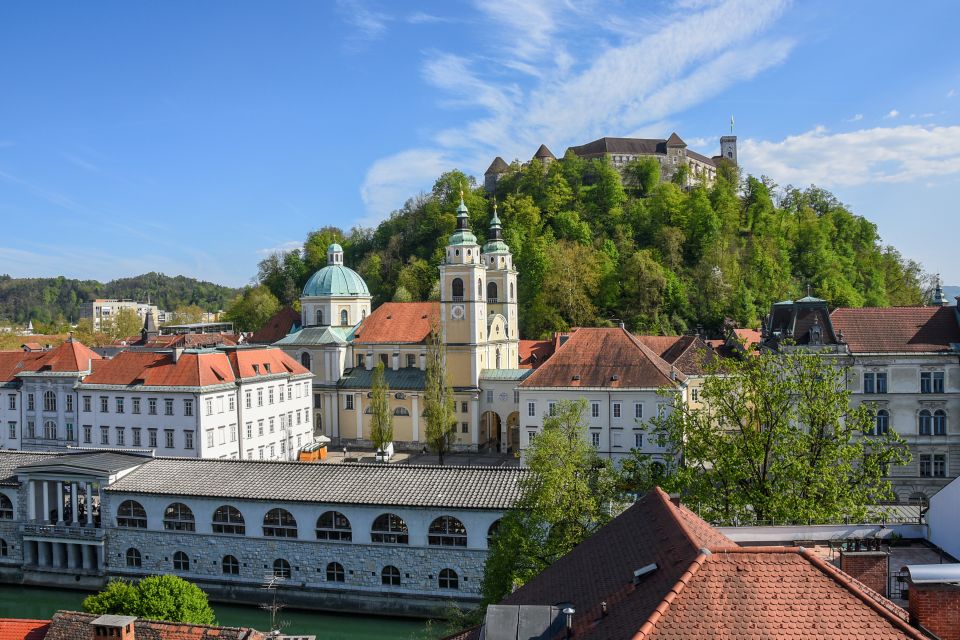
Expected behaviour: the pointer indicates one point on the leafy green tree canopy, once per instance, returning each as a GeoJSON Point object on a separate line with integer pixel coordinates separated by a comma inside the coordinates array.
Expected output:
{"type": "Point", "coordinates": [381, 420]}
{"type": "Point", "coordinates": [251, 309]}
{"type": "Point", "coordinates": [154, 598]}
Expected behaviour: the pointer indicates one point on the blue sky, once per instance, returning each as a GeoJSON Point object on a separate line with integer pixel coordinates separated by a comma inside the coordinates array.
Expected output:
{"type": "Point", "coordinates": [195, 137]}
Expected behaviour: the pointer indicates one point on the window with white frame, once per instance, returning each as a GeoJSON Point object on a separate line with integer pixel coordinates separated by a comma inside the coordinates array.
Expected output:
{"type": "Point", "coordinates": [616, 409]}
{"type": "Point", "coordinates": [594, 409]}
{"type": "Point", "coordinates": [638, 441]}
{"type": "Point", "coordinates": [638, 410]}
{"type": "Point", "coordinates": [595, 438]}
{"type": "Point", "coordinates": [531, 409]}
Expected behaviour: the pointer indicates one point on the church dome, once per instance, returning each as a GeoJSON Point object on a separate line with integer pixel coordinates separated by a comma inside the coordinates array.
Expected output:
{"type": "Point", "coordinates": [336, 280]}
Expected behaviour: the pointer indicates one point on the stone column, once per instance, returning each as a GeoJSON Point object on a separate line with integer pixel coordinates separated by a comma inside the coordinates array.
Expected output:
{"type": "Point", "coordinates": [46, 501]}
{"type": "Point", "coordinates": [32, 499]}
{"type": "Point", "coordinates": [29, 552]}
{"type": "Point", "coordinates": [89, 489]}
{"type": "Point", "coordinates": [74, 512]}
{"type": "Point", "coordinates": [415, 407]}
{"type": "Point", "coordinates": [55, 549]}
{"type": "Point", "coordinates": [59, 502]}
{"type": "Point", "coordinates": [98, 554]}
{"type": "Point", "coordinates": [84, 556]}
{"type": "Point", "coordinates": [43, 554]}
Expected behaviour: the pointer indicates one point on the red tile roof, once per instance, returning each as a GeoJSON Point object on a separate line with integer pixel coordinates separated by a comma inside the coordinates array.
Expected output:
{"type": "Point", "coordinates": [534, 353]}
{"type": "Point", "coordinates": [14, 362]}
{"type": "Point", "coordinates": [73, 625]}
{"type": "Point", "coordinates": [689, 354]}
{"type": "Point", "coordinates": [704, 585]}
{"type": "Point", "coordinates": [68, 357]}
{"type": "Point", "coordinates": [159, 370]}
{"type": "Point", "coordinates": [394, 322]}
{"type": "Point", "coordinates": [604, 358]}
{"type": "Point", "coordinates": [278, 326]}
{"type": "Point", "coordinates": [18, 629]}
{"type": "Point", "coordinates": [749, 337]}
{"type": "Point", "coordinates": [269, 360]}
{"type": "Point", "coordinates": [898, 329]}
{"type": "Point", "coordinates": [32, 346]}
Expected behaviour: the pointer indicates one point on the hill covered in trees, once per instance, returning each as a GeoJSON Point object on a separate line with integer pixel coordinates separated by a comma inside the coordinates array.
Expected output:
{"type": "Point", "coordinates": [56, 301]}
{"type": "Point", "coordinates": [592, 246]}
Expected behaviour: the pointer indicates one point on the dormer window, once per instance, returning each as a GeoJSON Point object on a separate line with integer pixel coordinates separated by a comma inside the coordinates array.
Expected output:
{"type": "Point", "coordinates": [256, 369]}
{"type": "Point", "coordinates": [266, 367]}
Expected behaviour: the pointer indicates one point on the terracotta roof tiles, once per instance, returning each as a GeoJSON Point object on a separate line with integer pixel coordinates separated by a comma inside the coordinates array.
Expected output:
{"type": "Point", "coordinates": [279, 325]}
{"type": "Point", "coordinates": [898, 329]}
{"type": "Point", "coordinates": [395, 322]}
{"type": "Point", "coordinates": [73, 625]}
{"type": "Point", "coordinates": [17, 629]}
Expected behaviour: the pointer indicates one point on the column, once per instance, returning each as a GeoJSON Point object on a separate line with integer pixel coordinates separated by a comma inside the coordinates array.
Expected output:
{"type": "Point", "coordinates": [32, 499]}
{"type": "Point", "coordinates": [84, 556]}
{"type": "Point", "coordinates": [474, 422]}
{"type": "Point", "coordinates": [56, 548]}
{"type": "Point", "coordinates": [98, 554]}
{"type": "Point", "coordinates": [43, 554]}
{"type": "Point", "coordinates": [89, 489]}
{"type": "Point", "coordinates": [29, 552]}
{"type": "Point", "coordinates": [59, 502]}
{"type": "Point", "coordinates": [46, 501]}
{"type": "Point", "coordinates": [415, 407]}
{"type": "Point", "coordinates": [74, 513]}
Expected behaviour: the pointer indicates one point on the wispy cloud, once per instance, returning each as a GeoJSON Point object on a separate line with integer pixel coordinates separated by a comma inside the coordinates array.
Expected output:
{"type": "Point", "coordinates": [529, 89]}
{"type": "Point", "coordinates": [882, 154]}
{"type": "Point", "coordinates": [80, 162]}
{"type": "Point", "coordinates": [857, 117]}
{"type": "Point", "coordinates": [893, 113]}
{"type": "Point", "coordinates": [283, 247]}
{"type": "Point", "coordinates": [420, 17]}
{"type": "Point", "coordinates": [951, 93]}
{"type": "Point", "coordinates": [368, 23]}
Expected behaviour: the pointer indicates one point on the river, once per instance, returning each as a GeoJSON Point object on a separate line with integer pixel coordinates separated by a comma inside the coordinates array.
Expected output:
{"type": "Point", "coordinates": [41, 603]}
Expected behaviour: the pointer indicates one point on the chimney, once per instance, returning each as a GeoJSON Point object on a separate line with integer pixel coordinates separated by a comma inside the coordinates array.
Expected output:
{"type": "Point", "coordinates": [112, 627]}
{"type": "Point", "coordinates": [869, 567]}
{"type": "Point", "coordinates": [177, 352]}
{"type": "Point", "coordinates": [935, 599]}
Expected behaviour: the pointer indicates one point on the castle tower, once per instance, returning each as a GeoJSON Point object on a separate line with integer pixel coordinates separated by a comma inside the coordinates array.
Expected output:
{"type": "Point", "coordinates": [728, 145]}
{"type": "Point", "coordinates": [463, 307]}
{"type": "Point", "coordinates": [502, 326]}
{"type": "Point", "coordinates": [938, 299]}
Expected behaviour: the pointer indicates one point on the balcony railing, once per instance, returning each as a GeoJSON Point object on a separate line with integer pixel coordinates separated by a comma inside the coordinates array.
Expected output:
{"type": "Point", "coordinates": [61, 531]}
{"type": "Point", "coordinates": [457, 298]}
{"type": "Point", "coordinates": [493, 300]}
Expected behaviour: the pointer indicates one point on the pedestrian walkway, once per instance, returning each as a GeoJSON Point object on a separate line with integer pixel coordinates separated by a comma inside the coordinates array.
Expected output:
{"type": "Point", "coordinates": [460, 459]}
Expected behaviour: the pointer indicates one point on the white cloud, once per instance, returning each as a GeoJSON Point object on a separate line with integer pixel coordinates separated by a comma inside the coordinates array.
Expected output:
{"type": "Point", "coordinates": [420, 17]}
{"type": "Point", "coordinates": [283, 247]}
{"type": "Point", "coordinates": [893, 113]}
{"type": "Point", "coordinates": [529, 89]}
{"type": "Point", "coordinates": [368, 23]}
{"type": "Point", "coordinates": [951, 93]}
{"type": "Point", "coordinates": [880, 155]}
{"type": "Point", "coordinates": [857, 117]}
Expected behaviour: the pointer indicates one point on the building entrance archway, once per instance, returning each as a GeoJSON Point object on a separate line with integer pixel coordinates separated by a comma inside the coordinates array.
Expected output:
{"type": "Point", "coordinates": [513, 431]}
{"type": "Point", "coordinates": [490, 430]}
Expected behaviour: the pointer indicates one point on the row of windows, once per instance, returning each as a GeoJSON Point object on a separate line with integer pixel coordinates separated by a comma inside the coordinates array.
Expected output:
{"type": "Point", "coordinates": [136, 440]}
{"type": "Point", "coordinates": [301, 390]}
{"type": "Point", "coordinates": [230, 566]}
{"type": "Point", "coordinates": [516, 396]}
{"type": "Point", "coordinates": [928, 423]}
{"type": "Point", "coordinates": [876, 382]}
{"type": "Point", "coordinates": [456, 289]}
{"type": "Point", "coordinates": [616, 409]}
{"type": "Point", "coordinates": [388, 528]}
{"type": "Point", "coordinates": [120, 405]}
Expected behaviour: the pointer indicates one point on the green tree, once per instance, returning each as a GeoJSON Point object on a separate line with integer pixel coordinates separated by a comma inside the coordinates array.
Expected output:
{"type": "Point", "coordinates": [252, 308]}
{"type": "Point", "coordinates": [439, 403]}
{"type": "Point", "coordinates": [777, 439]}
{"type": "Point", "coordinates": [566, 497]}
{"type": "Point", "coordinates": [163, 597]}
{"type": "Point", "coordinates": [381, 420]}
{"type": "Point", "coordinates": [125, 324]}
{"type": "Point", "coordinates": [186, 314]}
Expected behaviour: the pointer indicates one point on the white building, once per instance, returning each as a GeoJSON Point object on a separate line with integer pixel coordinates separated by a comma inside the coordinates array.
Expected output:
{"type": "Point", "coordinates": [102, 311]}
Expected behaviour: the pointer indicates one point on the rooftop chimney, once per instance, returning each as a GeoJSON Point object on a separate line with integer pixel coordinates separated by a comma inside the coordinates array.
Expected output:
{"type": "Point", "coordinates": [177, 352]}
{"type": "Point", "coordinates": [869, 567]}
{"type": "Point", "coordinates": [935, 599]}
{"type": "Point", "coordinates": [111, 627]}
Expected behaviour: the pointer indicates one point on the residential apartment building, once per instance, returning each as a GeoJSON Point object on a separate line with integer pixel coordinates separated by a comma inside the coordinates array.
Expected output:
{"type": "Point", "coordinates": [400, 539]}
{"type": "Point", "coordinates": [102, 311]}
{"type": "Point", "coordinates": [230, 402]}
{"type": "Point", "coordinates": [902, 361]}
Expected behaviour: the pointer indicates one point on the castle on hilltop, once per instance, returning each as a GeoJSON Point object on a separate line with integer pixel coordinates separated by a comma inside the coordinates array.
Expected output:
{"type": "Point", "coordinates": [671, 153]}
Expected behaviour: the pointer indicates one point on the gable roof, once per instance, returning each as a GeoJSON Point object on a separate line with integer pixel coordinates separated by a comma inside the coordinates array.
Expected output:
{"type": "Point", "coordinates": [10, 460]}
{"type": "Point", "coordinates": [689, 354]}
{"type": "Point", "coordinates": [609, 358]}
{"type": "Point", "coordinates": [898, 329]}
{"type": "Point", "coordinates": [675, 141]}
{"type": "Point", "coordinates": [158, 369]}
{"type": "Point", "coordinates": [395, 322]}
{"type": "Point", "coordinates": [22, 629]}
{"type": "Point", "coordinates": [534, 353]}
{"type": "Point", "coordinates": [13, 363]}
{"type": "Point", "coordinates": [703, 585]}
{"type": "Point", "coordinates": [71, 356]}
{"type": "Point", "coordinates": [284, 321]}
{"type": "Point", "coordinates": [100, 462]}
{"type": "Point", "coordinates": [633, 146]}
{"type": "Point", "coordinates": [269, 361]}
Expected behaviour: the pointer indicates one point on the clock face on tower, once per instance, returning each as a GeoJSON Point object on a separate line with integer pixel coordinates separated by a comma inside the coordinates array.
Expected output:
{"type": "Point", "coordinates": [456, 312]}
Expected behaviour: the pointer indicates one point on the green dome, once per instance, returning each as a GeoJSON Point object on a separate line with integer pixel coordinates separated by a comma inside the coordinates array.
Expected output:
{"type": "Point", "coordinates": [462, 237]}
{"type": "Point", "coordinates": [496, 246]}
{"type": "Point", "coordinates": [334, 247]}
{"type": "Point", "coordinates": [336, 280]}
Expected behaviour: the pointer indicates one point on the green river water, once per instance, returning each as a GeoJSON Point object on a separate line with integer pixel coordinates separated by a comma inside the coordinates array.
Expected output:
{"type": "Point", "coordinates": [41, 603]}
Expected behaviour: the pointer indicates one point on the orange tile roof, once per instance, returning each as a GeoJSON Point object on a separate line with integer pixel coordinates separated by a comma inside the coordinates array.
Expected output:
{"type": "Point", "coordinates": [394, 322]}
{"type": "Point", "coordinates": [14, 362]}
{"type": "Point", "coordinates": [594, 357]}
{"type": "Point", "coordinates": [278, 326]}
{"type": "Point", "coordinates": [898, 329]}
{"type": "Point", "coordinates": [534, 353]}
{"type": "Point", "coordinates": [23, 629]}
{"type": "Point", "coordinates": [73, 625]}
{"type": "Point", "coordinates": [749, 337]}
{"type": "Point", "coordinates": [69, 356]}
{"type": "Point", "coordinates": [243, 360]}
{"type": "Point", "coordinates": [159, 370]}
{"type": "Point", "coordinates": [704, 585]}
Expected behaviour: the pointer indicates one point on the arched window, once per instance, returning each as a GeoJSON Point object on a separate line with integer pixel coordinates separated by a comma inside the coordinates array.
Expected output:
{"type": "Point", "coordinates": [883, 422]}
{"type": "Point", "coordinates": [319, 316]}
{"type": "Point", "coordinates": [49, 401]}
{"type": "Point", "coordinates": [229, 520]}
{"type": "Point", "coordinates": [390, 529]}
{"type": "Point", "coordinates": [130, 514]}
{"type": "Point", "coordinates": [3, 548]}
{"type": "Point", "coordinates": [6, 508]}
{"type": "Point", "coordinates": [134, 559]}
{"type": "Point", "coordinates": [281, 568]}
{"type": "Point", "coordinates": [479, 288]}
{"type": "Point", "coordinates": [449, 579]}
{"type": "Point", "coordinates": [344, 318]}
{"type": "Point", "coordinates": [333, 525]}
{"type": "Point", "coordinates": [492, 533]}
{"type": "Point", "coordinates": [447, 531]}
{"type": "Point", "coordinates": [279, 523]}
{"type": "Point", "coordinates": [926, 423]}
{"type": "Point", "coordinates": [181, 561]}
{"type": "Point", "coordinates": [390, 576]}
{"type": "Point", "coordinates": [305, 360]}
{"type": "Point", "coordinates": [335, 572]}
{"type": "Point", "coordinates": [491, 292]}
{"type": "Point", "coordinates": [230, 566]}
{"type": "Point", "coordinates": [50, 430]}
{"type": "Point", "coordinates": [400, 411]}
{"type": "Point", "coordinates": [456, 290]}
{"type": "Point", "coordinates": [498, 358]}
{"type": "Point", "coordinates": [178, 517]}
{"type": "Point", "coordinates": [939, 422]}
{"type": "Point", "coordinates": [511, 291]}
